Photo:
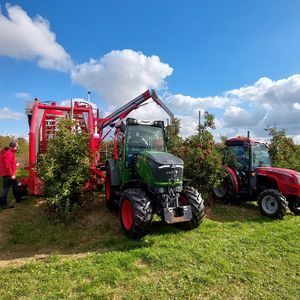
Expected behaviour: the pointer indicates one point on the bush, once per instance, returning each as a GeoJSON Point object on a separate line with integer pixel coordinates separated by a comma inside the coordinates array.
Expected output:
{"type": "Point", "coordinates": [283, 151]}
{"type": "Point", "coordinates": [64, 169]}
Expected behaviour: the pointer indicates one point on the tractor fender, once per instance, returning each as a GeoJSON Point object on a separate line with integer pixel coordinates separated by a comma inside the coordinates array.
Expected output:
{"type": "Point", "coordinates": [114, 172]}
{"type": "Point", "coordinates": [233, 179]}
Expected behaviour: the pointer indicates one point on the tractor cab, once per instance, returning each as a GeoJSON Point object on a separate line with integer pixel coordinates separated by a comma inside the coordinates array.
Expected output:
{"type": "Point", "coordinates": [243, 156]}
{"type": "Point", "coordinates": [140, 136]}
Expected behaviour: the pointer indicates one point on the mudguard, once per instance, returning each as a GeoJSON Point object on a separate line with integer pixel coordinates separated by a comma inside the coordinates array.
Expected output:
{"type": "Point", "coordinates": [233, 179]}
{"type": "Point", "coordinates": [114, 172]}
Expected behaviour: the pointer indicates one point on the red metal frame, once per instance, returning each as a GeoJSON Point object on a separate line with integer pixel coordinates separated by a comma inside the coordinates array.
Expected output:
{"type": "Point", "coordinates": [43, 114]}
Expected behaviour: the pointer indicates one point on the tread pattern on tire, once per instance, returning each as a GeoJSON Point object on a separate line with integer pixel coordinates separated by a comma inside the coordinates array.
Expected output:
{"type": "Point", "coordinates": [230, 196]}
{"type": "Point", "coordinates": [282, 203]}
{"type": "Point", "coordinates": [196, 202]}
{"type": "Point", "coordinates": [294, 206]}
{"type": "Point", "coordinates": [142, 212]}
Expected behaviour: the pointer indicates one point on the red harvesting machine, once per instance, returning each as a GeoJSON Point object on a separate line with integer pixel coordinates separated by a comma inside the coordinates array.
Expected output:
{"type": "Point", "coordinates": [43, 117]}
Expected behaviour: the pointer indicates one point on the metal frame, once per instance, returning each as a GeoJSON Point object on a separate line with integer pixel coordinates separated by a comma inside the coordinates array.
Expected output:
{"type": "Point", "coordinates": [42, 121]}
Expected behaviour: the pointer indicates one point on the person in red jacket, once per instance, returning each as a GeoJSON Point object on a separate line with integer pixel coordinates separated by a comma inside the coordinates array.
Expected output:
{"type": "Point", "coordinates": [8, 168]}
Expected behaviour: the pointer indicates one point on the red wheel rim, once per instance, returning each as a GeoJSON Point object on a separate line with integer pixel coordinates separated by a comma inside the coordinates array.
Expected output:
{"type": "Point", "coordinates": [107, 186]}
{"type": "Point", "coordinates": [127, 214]}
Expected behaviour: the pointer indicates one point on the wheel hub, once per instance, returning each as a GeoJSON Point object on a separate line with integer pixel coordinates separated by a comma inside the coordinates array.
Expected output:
{"type": "Point", "coordinates": [269, 204]}
{"type": "Point", "coordinates": [221, 191]}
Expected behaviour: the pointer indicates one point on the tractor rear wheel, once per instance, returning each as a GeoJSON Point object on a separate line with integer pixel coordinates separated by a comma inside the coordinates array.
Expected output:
{"type": "Point", "coordinates": [272, 204]}
{"type": "Point", "coordinates": [110, 192]}
{"type": "Point", "coordinates": [191, 196]}
{"type": "Point", "coordinates": [135, 213]}
{"type": "Point", "coordinates": [294, 206]}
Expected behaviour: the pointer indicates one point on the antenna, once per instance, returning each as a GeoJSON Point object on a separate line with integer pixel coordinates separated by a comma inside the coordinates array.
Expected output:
{"type": "Point", "coordinates": [89, 96]}
{"type": "Point", "coordinates": [199, 118]}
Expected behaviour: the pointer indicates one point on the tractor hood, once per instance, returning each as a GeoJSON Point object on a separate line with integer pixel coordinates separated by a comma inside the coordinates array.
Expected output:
{"type": "Point", "coordinates": [287, 180]}
{"type": "Point", "coordinates": [163, 158]}
{"type": "Point", "coordinates": [162, 165]}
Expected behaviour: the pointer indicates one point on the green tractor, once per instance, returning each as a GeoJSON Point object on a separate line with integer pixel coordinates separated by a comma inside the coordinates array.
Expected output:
{"type": "Point", "coordinates": [143, 179]}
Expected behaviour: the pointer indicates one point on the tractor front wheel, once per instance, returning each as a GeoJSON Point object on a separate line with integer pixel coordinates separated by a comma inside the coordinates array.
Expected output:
{"type": "Point", "coordinates": [225, 192]}
{"type": "Point", "coordinates": [294, 206]}
{"type": "Point", "coordinates": [135, 213]}
{"type": "Point", "coordinates": [191, 196]}
{"type": "Point", "coordinates": [272, 204]}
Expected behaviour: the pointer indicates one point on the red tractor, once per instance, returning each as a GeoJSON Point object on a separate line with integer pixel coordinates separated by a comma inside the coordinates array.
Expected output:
{"type": "Point", "coordinates": [250, 177]}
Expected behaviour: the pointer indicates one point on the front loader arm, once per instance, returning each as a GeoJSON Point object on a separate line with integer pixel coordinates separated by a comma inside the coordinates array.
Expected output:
{"type": "Point", "coordinates": [127, 108]}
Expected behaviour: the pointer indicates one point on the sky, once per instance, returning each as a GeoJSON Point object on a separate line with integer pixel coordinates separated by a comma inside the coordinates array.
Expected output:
{"type": "Point", "coordinates": [239, 60]}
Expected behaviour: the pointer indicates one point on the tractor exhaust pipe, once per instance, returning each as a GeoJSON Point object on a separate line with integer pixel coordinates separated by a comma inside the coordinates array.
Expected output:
{"type": "Point", "coordinates": [248, 135]}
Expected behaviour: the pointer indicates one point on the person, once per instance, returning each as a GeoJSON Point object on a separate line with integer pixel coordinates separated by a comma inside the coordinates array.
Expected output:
{"type": "Point", "coordinates": [242, 160]}
{"type": "Point", "coordinates": [8, 168]}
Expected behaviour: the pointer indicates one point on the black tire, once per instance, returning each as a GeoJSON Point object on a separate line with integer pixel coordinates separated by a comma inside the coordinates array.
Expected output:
{"type": "Point", "coordinates": [135, 213]}
{"type": "Point", "coordinates": [111, 198]}
{"type": "Point", "coordinates": [191, 196]}
{"type": "Point", "coordinates": [226, 192]}
{"type": "Point", "coordinates": [294, 206]}
{"type": "Point", "coordinates": [272, 204]}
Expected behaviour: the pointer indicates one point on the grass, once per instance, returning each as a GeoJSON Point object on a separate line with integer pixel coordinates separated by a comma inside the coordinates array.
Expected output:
{"type": "Point", "coordinates": [234, 254]}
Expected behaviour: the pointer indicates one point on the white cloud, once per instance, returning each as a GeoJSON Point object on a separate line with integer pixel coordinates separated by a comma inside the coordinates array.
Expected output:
{"type": "Point", "coordinates": [151, 111]}
{"type": "Point", "coordinates": [252, 107]}
{"type": "Point", "coordinates": [23, 95]}
{"type": "Point", "coordinates": [28, 38]}
{"type": "Point", "coordinates": [121, 75]}
{"type": "Point", "coordinates": [7, 114]}
{"type": "Point", "coordinates": [178, 101]}
{"type": "Point", "coordinates": [296, 105]}
{"type": "Point", "coordinates": [235, 116]}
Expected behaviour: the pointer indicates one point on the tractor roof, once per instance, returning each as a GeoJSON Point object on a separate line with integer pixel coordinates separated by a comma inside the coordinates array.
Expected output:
{"type": "Point", "coordinates": [237, 141]}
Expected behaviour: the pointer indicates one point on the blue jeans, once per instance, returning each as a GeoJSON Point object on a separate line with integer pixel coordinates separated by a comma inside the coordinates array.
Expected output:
{"type": "Point", "coordinates": [7, 183]}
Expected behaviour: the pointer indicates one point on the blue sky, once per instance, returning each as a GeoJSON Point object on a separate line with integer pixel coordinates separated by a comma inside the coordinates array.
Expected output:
{"type": "Point", "coordinates": [237, 59]}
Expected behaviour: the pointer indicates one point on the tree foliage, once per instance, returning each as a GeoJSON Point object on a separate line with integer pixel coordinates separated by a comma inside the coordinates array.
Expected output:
{"type": "Point", "coordinates": [64, 169]}
{"type": "Point", "coordinates": [202, 160]}
{"type": "Point", "coordinates": [283, 151]}
{"type": "Point", "coordinates": [174, 143]}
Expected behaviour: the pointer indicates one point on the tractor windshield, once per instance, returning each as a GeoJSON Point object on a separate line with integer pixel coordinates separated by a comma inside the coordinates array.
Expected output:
{"type": "Point", "coordinates": [260, 155]}
{"type": "Point", "coordinates": [143, 137]}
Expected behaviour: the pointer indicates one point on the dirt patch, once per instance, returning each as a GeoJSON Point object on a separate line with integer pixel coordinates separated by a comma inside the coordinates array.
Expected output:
{"type": "Point", "coordinates": [17, 262]}
{"type": "Point", "coordinates": [141, 263]}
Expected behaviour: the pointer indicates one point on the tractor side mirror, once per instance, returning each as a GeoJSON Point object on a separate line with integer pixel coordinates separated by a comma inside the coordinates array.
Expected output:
{"type": "Point", "coordinates": [121, 126]}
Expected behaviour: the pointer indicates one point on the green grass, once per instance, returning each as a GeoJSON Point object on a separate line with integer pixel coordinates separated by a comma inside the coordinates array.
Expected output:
{"type": "Point", "coordinates": [234, 254]}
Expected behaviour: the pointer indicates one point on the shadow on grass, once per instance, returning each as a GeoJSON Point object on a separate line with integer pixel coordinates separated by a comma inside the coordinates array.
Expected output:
{"type": "Point", "coordinates": [245, 212]}
{"type": "Point", "coordinates": [28, 231]}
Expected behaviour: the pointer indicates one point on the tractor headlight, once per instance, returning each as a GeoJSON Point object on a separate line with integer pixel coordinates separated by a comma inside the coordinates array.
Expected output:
{"type": "Point", "coordinates": [178, 188]}
{"type": "Point", "coordinates": [161, 190]}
